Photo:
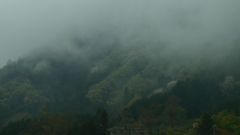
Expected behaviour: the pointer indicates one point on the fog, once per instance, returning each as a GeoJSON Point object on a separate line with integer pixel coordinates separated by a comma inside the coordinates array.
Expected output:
{"type": "Point", "coordinates": [27, 25]}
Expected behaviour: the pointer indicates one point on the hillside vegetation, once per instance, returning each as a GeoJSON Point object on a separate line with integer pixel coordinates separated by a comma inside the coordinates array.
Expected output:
{"type": "Point", "coordinates": [134, 82]}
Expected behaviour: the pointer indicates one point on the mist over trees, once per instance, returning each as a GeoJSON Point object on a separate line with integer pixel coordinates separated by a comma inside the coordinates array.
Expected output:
{"type": "Point", "coordinates": [125, 67]}
{"type": "Point", "coordinates": [161, 91]}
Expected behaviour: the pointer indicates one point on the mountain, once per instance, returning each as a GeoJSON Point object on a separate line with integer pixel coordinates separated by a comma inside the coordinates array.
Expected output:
{"type": "Point", "coordinates": [86, 74]}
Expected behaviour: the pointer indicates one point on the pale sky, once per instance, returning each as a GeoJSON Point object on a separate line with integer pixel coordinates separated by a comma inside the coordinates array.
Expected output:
{"type": "Point", "coordinates": [26, 25]}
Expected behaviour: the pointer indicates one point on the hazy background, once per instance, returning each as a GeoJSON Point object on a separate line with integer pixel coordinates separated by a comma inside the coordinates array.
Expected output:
{"type": "Point", "coordinates": [26, 25]}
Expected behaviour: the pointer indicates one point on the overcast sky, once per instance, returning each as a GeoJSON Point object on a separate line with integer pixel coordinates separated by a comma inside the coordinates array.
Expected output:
{"type": "Point", "coordinates": [26, 25]}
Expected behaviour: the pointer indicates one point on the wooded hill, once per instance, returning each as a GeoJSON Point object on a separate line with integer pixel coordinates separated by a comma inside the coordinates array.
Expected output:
{"type": "Point", "coordinates": [137, 78]}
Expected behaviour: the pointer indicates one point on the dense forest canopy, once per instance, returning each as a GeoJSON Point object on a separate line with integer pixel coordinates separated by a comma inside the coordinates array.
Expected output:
{"type": "Point", "coordinates": [151, 80]}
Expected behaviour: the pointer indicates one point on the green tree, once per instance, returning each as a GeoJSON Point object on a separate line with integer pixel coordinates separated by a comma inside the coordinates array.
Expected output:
{"type": "Point", "coordinates": [15, 128]}
{"type": "Point", "coordinates": [148, 119]}
{"type": "Point", "coordinates": [227, 121]}
{"type": "Point", "coordinates": [127, 122]}
{"type": "Point", "coordinates": [102, 121]}
{"type": "Point", "coordinates": [173, 111]}
{"type": "Point", "coordinates": [89, 128]}
{"type": "Point", "coordinates": [206, 124]}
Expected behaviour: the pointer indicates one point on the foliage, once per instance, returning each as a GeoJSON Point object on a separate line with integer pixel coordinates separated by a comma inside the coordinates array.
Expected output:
{"type": "Point", "coordinates": [206, 124]}
{"type": "Point", "coordinates": [173, 112]}
{"type": "Point", "coordinates": [227, 121]}
{"type": "Point", "coordinates": [19, 95]}
{"type": "Point", "coordinates": [130, 78]}
{"type": "Point", "coordinates": [71, 124]}
{"type": "Point", "coordinates": [198, 94]}
{"type": "Point", "coordinates": [15, 128]}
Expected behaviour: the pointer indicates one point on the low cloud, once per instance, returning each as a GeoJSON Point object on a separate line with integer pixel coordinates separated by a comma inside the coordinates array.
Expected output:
{"type": "Point", "coordinates": [27, 25]}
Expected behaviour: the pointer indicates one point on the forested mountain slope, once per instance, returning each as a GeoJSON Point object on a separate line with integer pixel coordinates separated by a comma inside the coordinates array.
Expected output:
{"type": "Point", "coordinates": [92, 73]}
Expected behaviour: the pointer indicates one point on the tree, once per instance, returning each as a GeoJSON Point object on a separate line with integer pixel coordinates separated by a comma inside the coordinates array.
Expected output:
{"type": "Point", "coordinates": [89, 128]}
{"type": "Point", "coordinates": [206, 124]}
{"type": "Point", "coordinates": [15, 128]}
{"type": "Point", "coordinates": [148, 119]}
{"type": "Point", "coordinates": [127, 121]}
{"type": "Point", "coordinates": [198, 94]}
{"type": "Point", "coordinates": [229, 87]}
{"type": "Point", "coordinates": [102, 121]}
{"type": "Point", "coordinates": [227, 122]}
{"type": "Point", "coordinates": [173, 111]}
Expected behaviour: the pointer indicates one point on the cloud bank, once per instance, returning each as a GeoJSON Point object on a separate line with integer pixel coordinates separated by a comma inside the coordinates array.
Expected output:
{"type": "Point", "coordinates": [29, 24]}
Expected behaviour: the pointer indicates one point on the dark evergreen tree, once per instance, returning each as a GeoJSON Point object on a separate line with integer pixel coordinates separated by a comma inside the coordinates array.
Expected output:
{"type": "Point", "coordinates": [206, 125]}
{"type": "Point", "coordinates": [15, 128]}
{"type": "Point", "coordinates": [102, 121]}
{"type": "Point", "coordinates": [198, 95]}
